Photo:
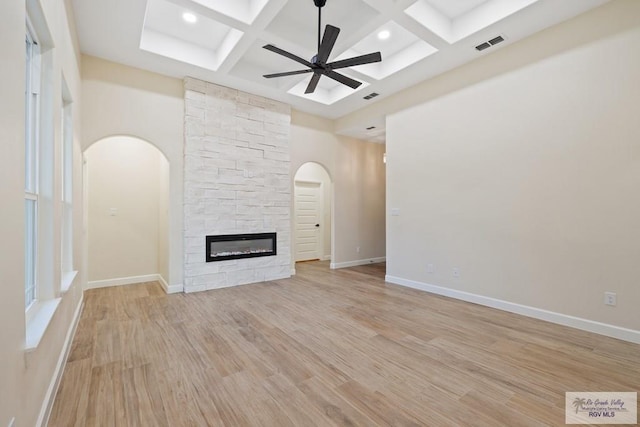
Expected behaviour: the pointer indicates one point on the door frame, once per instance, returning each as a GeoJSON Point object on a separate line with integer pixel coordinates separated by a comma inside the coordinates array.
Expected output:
{"type": "Point", "coordinates": [330, 190]}
{"type": "Point", "coordinates": [321, 213]}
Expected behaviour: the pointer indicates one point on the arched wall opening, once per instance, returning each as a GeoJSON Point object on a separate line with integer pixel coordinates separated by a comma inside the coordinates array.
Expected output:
{"type": "Point", "coordinates": [127, 201]}
{"type": "Point", "coordinates": [312, 221]}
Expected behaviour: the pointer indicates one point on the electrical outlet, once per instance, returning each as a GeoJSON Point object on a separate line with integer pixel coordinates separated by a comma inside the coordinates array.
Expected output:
{"type": "Point", "coordinates": [395, 212]}
{"type": "Point", "coordinates": [456, 272]}
{"type": "Point", "coordinates": [430, 268]}
{"type": "Point", "coordinates": [358, 249]}
{"type": "Point", "coordinates": [610, 298]}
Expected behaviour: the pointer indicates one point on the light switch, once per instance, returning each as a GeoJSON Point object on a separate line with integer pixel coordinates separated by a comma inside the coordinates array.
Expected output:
{"type": "Point", "coordinates": [395, 212]}
{"type": "Point", "coordinates": [113, 211]}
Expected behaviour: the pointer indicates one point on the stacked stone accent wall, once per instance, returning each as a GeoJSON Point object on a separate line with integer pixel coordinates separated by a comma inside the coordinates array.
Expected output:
{"type": "Point", "coordinates": [236, 180]}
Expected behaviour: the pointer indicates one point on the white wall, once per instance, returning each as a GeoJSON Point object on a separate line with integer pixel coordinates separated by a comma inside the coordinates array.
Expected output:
{"type": "Point", "coordinates": [25, 378]}
{"type": "Point", "coordinates": [528, 180]}
{"type": "Point", "coordinates": [120, 100]}
{"type": "Point", "coordinates": [314, 172]}
{"type": "Point", "coordinates": [125, 183]}
{"type": "Point", "coordinates": [358, 175]}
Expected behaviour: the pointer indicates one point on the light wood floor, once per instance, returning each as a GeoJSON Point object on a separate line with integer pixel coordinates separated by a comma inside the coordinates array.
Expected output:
{"type": "Point", "coordinates": [325, 348]}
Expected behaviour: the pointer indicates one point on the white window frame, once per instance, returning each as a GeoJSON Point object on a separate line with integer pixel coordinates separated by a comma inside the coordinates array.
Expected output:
{"type": "Point", "coordinates": [40, 302]}
{"type": "Point", "coordinates": [32, 149]}
{"type": "Point", "coordinates": [66, 223]}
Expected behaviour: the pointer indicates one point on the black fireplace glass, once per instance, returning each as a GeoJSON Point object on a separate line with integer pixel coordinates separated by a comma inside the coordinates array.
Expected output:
{"type": "Point", "coordinates": [237, 246]}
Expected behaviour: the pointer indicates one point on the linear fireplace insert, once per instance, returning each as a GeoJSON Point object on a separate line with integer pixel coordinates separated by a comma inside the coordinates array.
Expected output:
{"type": "Point", "coordinates": [236, 246]}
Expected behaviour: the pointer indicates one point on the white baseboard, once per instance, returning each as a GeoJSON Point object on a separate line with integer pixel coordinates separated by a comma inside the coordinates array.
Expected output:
{"type": "Point", "coordinates": [336, 265]}
{"type": "Point", "coordinates": [293, 271]}
{"type": "Point", "coordinates": [169, 289]}
{"type": "Point", "coordinates": [537, 313]}
{"type": "Point", "coordinates": [120, 281]}
{"type": "Point", "coordinates": [47, 404]}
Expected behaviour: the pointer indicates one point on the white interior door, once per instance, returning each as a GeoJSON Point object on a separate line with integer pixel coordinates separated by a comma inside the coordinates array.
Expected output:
{"type": "Point", "coordinates": [308, 199]}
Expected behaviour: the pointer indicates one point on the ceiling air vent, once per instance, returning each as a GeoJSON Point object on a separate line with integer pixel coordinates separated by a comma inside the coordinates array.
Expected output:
{"type": "Point", "coordinates": [486, 45]}
{"type": "Point", "coordinates": [371, 95]}
{"type": "Point", "coordinates": [496, 40]}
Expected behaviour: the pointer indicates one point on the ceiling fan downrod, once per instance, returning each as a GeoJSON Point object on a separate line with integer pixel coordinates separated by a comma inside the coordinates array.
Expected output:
{"type": "Point", "coordinates": [319, 4]}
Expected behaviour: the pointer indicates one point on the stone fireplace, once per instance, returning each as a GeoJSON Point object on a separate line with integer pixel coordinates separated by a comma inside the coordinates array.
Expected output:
{"type": "Point", "coordinates": [237, 182]}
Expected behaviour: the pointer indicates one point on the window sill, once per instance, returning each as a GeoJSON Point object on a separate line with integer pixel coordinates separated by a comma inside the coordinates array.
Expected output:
{"type": "Point", "coordinates": [39, 316]}
{"type": "Point", "coordinates": [67, 280]}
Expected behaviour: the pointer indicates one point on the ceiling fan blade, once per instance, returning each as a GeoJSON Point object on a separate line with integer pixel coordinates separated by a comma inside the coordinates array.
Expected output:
{"type": "Point", "coordinates": [357, 60]}
{"type": "Point", "coordinates": [279, 51]}
{"type": "Point", "coordinates": [328, 41]}
{"type": "Point", "coordinates": [353, 84]}
{"type": "Point", "coordinates": [313, 83]}
{"type": "Point", "coordinates": [288, 73]}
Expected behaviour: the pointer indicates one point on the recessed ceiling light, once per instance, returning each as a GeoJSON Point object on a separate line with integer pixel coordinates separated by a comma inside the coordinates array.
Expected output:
{"type": "Point", "coordinates": [384, 34]}
{"type": "Point", "coordinates": [189, 17]}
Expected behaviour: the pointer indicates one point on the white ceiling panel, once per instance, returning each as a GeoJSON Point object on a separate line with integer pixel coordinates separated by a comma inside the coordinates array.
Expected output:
{"type": "Point", "coordinates": [328, 91]}
{"type": "Point", "coordinates": [399, 50]}
{"type": "Point", "coordinates": [244, 11]}
{"type": "Point", "coordinates": [203, 42]}
{"type": "Point", "coordinates": [454, 8]}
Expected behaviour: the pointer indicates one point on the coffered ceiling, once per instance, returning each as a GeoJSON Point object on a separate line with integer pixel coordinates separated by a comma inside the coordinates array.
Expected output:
{"type": "Point", "coordinates": [221, 41]}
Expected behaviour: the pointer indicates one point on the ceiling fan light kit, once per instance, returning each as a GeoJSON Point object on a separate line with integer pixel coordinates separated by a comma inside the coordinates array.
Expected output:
{"type": "Point", "coordinates": [318, 64]}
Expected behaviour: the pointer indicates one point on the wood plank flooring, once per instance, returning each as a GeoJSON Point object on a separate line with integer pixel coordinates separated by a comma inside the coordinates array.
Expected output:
{"type": "Point", "coordinates": [325, 348]}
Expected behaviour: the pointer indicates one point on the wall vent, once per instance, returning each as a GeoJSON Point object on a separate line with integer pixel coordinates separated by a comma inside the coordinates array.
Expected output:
{"type": "Point", "coordinates": [486, 45]}
{"type": "Point", "coordinates": [371, 95]}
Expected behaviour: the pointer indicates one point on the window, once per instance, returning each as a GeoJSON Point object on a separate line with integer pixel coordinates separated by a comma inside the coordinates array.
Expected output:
{"type": "Point", "coordinates": [32, 120]}
{"type": "Point", "coordinates": [42, 169]}
{"type": "Point", "coordinates": [67, 190]}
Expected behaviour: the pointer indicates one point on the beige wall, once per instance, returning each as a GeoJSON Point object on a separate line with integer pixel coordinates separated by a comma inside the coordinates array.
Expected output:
{"type": "Point", "coordinates": [314, 172]}
{"type": "Point", "coordinates": [120, 100]}
{"type": "Point", "coordinates": [358, 176]}
{"type": "Point", "coordinates": [126, 175]}
{"type": "Point", "coordinates": [527, 180]}
{"type": "Point", "coordinates": [25, 377]}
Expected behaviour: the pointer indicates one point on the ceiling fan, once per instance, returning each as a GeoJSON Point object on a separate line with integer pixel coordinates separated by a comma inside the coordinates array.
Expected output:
{"type": "Point", "coordinates": [318, 64]}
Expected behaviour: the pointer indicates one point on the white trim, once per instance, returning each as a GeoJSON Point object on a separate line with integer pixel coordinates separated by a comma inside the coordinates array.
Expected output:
{"type": "Point", "coordinates": [67, 280]}
{"type": "Point", "coordinates": [537, 313]}
{"type": "Point", "coordinates": [173, 289]}
{"type": "Point", "coordinates": [337, 265]}
{"type": "Point", "coordinates": [293, 271]}
{"type": "Point", "coordinates": [121, 281]}
{"type": "Point", "coordinates": [325, 258]}
{"type": "Point", "coordinates": [320, 213]}
{"type": "Point", "coordinates": [39, 317]}
{"type": "Point", "coordinates": [47, 404]}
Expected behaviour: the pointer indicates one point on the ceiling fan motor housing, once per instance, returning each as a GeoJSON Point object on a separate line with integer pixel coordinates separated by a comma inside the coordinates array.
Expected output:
{"type": "Point", "coordinates": [320, 3]}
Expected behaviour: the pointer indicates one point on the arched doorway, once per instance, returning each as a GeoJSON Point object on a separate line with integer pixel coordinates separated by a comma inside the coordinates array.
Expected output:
{"type": "Point", "coordinates": [312, 213]}
{"type": "Point", "coordinates": [127, 205]}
